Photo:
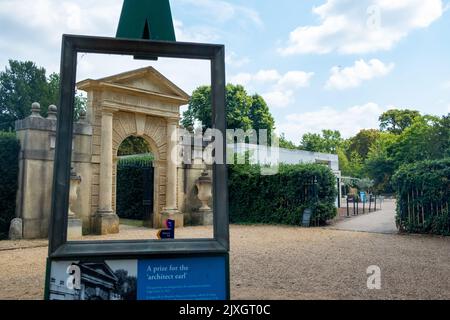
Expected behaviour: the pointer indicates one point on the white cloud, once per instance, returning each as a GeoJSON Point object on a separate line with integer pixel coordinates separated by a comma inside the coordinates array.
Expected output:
{"type": "Point", "coordinates": [194, 34]}
{"type": "Point", "coordinates": [241, 78]}
{"type": "Point", "coordinates": [348, 122]}
{"type": "Point", "coordinates": [295, 79]}
{"type": "Point", "coordinates": [232, 59]}
{"type": "Point", "coordinates": [278, 99]}
{"type": "Point", "coordinates": [267, 75]}
{"type": "Point", "coordinates": [361, 26]}
{"type": "Point", "coordinates": [280, 93]}
{"type": "Point", "coordinates": [262, 76]}
{"type": "Point", "coordinates": [290, 80]}
{"type": "Point", "coordinates": [352, 77]}
{"type": "Point", "coordinates": [32, 30]}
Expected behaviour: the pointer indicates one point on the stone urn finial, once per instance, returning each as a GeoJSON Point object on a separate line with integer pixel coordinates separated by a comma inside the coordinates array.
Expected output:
{"type": "Point", "coordinates": [36, 110]}
{"type": "Point", "coordinates": [52, 111]}
{"type": "Point", "coordinates": [204, 186]}
{"type": "Point", "coordinates": [75, 181]}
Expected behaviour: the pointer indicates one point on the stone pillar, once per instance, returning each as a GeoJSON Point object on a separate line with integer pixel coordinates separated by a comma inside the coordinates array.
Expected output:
{"type": "Point", "coordinates": [171, 210]}
{"type": "Point", "coordinates": [106, 164]}
{"type": "Point", "coordinates": [106, 221]}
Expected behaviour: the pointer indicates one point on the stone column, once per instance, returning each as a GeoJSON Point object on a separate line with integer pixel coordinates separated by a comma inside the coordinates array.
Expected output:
{"type": "Point", "coordinates": [106, 221]}
{"type": "Point", "coordinates": [106, 164]}
{"type": "Point", "coordinates": [171, 210]}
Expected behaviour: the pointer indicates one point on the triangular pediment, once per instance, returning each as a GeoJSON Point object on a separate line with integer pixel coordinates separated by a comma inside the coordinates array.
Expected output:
{"type": "Point", "coordinates": [145, 80]}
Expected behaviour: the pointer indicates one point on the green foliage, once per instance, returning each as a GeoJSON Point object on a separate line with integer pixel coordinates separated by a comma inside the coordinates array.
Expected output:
{"type": "Point", "coordinates": [260, 115]}
{"type": "Point", "coordinates": [243, 111]}
{"type": "Point", "coordinates": [133, 145]}
{"type": "Point", "coordinates": [53, 87]}
{"type": "Point", "coordinates": [362, 142]}
{"type": "Point", "coordinates": [426, 138]}
{"type": "Point", "coordinates": [379, 164]}
{"type": "Point", "coordinates": [423, 193]}
{"type": "Point", "coordinates": [364, 184]}
{"type": "Point", "coordinates": [281, 198]}
{"type": "Point", "coordinates": [24, 83]}
{"type": "Point", "coordinates": [419, 141]}
{"type": "Point", "coordinates": [396, 121]}
{"type": "Point", "coordinates": [286, 144]}
{"type": "Point", "coordinates": [344, 163]}
{"type": "Point", "coordinates": [130, 186]}
{"type": "Point", "coordinates": [9, 169]}
{"type": "Point", "coordinates": [20, 85]}
{"type": "Point", "coordinates": [327, 142]}
{"type": "Point", "coordinates": [356, 165]}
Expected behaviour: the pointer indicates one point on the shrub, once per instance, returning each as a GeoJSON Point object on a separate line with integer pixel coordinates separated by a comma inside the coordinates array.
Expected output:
{"type": "Point", "coordinates": [9, 169]}
{"type": "Point", "coordinates": [282, 198]}
{"type": "Point", "coordinates": [423, 192]}
{"type": "Point", "coordinates": [130, 186]}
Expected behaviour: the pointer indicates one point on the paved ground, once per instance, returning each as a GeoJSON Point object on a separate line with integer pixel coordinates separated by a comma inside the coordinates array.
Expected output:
{"type": "Point", "coordinates": [378, 222]}
{"type": "Point", "coordinates": [274, 262]}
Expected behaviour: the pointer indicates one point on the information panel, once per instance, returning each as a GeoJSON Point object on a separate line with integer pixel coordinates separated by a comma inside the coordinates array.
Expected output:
{"type": "Point", "coordinates": [183, 278]}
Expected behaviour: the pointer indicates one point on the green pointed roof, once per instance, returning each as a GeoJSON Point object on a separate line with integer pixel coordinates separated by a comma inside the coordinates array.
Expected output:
{"type": "Point", "coordinates": [146, 19]}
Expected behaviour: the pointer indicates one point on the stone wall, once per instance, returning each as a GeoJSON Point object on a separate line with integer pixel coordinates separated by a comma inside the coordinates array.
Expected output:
{"type": "Point", "coordinates": [37, 137]}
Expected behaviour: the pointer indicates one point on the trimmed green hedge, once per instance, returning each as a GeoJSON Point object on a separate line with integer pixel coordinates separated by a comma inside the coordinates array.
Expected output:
{"type": "Point", "coordinates": [423, 195]}
{"type": "Point", "coordinates": [130, 186]}
{"type": "Point", "coordinates": [9, 170]}
{"type": "Point", "coordinates": [282, 198]}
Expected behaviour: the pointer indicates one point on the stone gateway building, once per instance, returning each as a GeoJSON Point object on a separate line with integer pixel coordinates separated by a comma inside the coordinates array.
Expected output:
{"type": "Point", "coordinates": [141, 103]}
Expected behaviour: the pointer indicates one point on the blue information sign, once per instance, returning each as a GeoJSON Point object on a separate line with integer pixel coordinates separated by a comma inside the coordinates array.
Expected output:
{"type": "Point", "coordinates": [182, 279]}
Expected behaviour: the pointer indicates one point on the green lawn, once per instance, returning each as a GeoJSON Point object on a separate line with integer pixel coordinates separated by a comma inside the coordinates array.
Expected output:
{"type": "Point", "coordinates": [132, 223]}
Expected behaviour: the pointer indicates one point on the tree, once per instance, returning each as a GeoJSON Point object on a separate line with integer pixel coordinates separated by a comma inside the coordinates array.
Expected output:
{"type": "Point", "coordinates": [312, 142]}
{"type": "Point", "coordinates": [286, 144]}
{"type": "Point", "coordinates": [379, 164]}
{"type": "Point", "coordinates": [396, 121]}
{"type": "Point", "coordinates": [327, 142]}
{"type": "Point", "coordinates": [260, 115]}
{"type": "Point", "coordinates": [133, 145]}
{"type": "Point", "coordinates": [418, 142]}
{"type": "Point", "coordinates": [362, 142]}
{"type": "Point", "coordinates": [243, 111]}
{"type": "Point", "coordinates": [441, 145]}
{"type": "Point", "coordinates": [53, 88]}
{"type": "Point", "coordinates": [24, 83]}
{"type": "Point", "coordinates": [344, 164]}
{"type": "Point", "coordinates": [20, 85]}
{"type": "Point", "coordinates": [356, 165]}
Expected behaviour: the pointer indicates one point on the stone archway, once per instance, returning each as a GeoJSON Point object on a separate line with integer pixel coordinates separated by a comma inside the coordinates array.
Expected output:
{"type": "Point", "coordinates": [141, 103]}
{"type": "Point", "coordinates": [157, 146]}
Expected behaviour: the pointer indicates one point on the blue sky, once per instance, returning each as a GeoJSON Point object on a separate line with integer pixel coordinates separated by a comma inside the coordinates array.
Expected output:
{"type": "Point", "coordinates": [328, 64]}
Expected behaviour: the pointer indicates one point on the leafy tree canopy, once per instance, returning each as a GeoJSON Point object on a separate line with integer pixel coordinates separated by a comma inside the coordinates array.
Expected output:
{"type": "Point", "coordinates": [243, 111]}
{"type": "Point", "coordinates": [328, 141]}
{"type": "Point", "coordinates": [287, 144]}
{"type": "Point", "coordinates": [396, 121]}
{"type": "Point", "coordinates": [362, 142]}
{"type": "Point", "coordinates": [133, 145]}
{"type": "Point", "coordinates": [23, 83]}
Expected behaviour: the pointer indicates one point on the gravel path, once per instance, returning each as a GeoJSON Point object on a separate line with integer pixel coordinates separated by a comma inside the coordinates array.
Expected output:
{"type": "Point", "coordinates": [273, 262]}
{"type": "Point", "coordinates": [382, 221]}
